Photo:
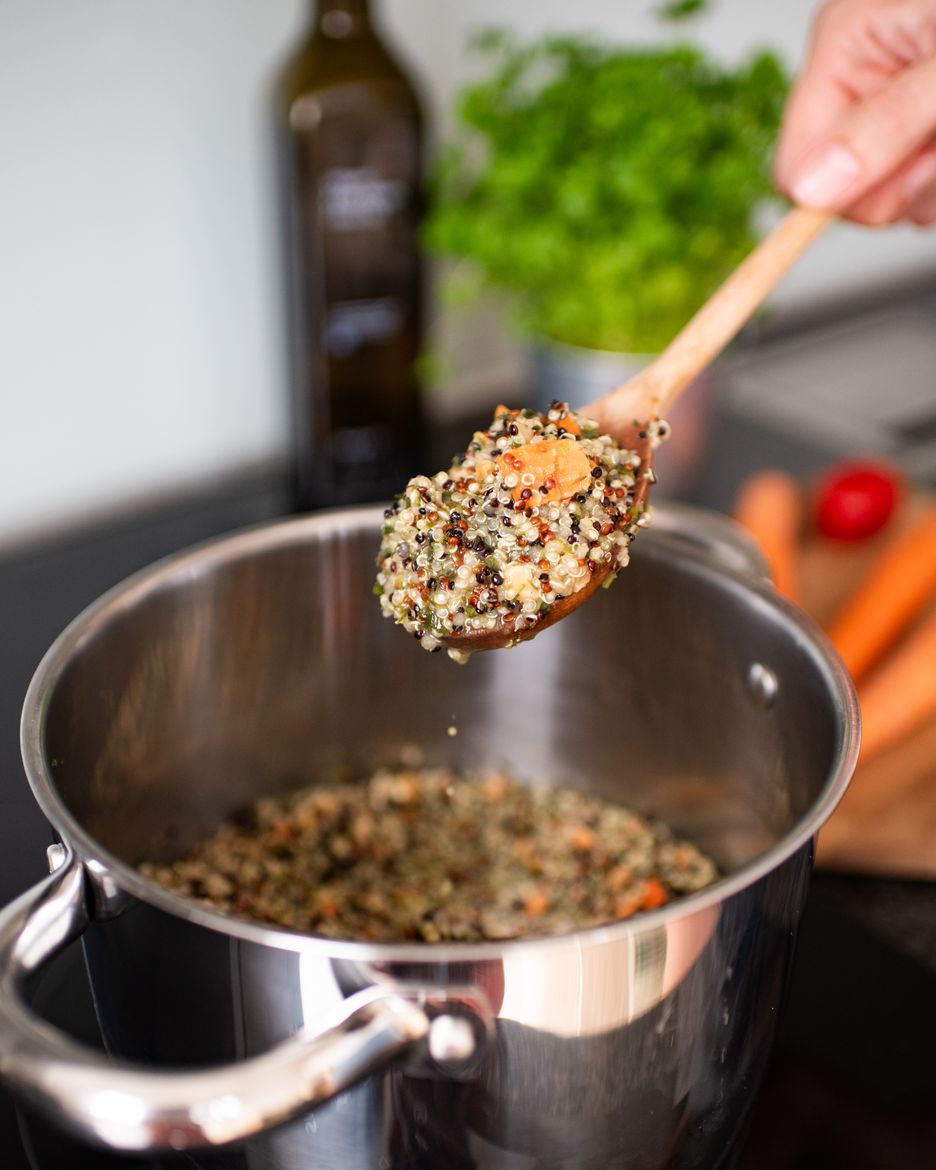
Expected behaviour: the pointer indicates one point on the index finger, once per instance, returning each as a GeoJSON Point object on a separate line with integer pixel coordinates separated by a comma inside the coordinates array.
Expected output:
{"type": "Point", "coordinates": [817, 102]}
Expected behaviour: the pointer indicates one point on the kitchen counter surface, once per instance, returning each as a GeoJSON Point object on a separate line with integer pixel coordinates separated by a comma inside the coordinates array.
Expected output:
{"type": "Point", "coordinates": [851, 1085]}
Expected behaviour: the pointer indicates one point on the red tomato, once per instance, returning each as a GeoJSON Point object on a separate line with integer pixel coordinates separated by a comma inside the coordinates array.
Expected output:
{"type": "Point", "coordinates": [856, 498]}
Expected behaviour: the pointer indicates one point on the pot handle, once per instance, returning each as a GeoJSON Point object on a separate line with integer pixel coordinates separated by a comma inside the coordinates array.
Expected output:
{"type": "Point", "coordinates": [127, 1107]}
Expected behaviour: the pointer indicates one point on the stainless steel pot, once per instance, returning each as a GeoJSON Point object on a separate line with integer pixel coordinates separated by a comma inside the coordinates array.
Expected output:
{"type": "Point", "coordinates": [689, 690]}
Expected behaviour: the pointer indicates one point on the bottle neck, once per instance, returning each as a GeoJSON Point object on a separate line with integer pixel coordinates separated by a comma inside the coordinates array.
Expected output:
{"type": "Point", "coordinates": [339, 19]}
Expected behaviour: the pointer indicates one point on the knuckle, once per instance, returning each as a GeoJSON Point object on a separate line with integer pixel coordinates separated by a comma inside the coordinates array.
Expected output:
{"type": "Point", "coordinates": [880, 207]}
{"type": "Point", "coordinates": [922, 210]}
{"type": "Point", "coordinates": [829, 17]}
{"type": "Point", "coordinates": [841, 21]}
{"type": "Point", "coordinates": [825, 32]}
{"type": "Point", "coordinates": [876, 216]}
{"type": "Point", "coordinates": [894, 111]}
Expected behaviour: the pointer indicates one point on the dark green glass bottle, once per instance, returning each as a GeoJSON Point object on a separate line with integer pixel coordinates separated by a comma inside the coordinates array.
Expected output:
{"type": "Point", "coordinates": [351, 138]}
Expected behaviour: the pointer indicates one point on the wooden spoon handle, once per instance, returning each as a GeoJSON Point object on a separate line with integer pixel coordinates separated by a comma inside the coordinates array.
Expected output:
{"type": "Point", "coordinates": [654, 390]}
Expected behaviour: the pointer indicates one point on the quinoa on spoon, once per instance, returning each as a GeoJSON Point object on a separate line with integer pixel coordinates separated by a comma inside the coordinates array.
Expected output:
{"type": "Point", "coordinates": [540, 510]}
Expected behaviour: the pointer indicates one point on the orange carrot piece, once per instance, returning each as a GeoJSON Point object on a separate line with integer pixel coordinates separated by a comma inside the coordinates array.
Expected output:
{"type": "Point", "coordinates": [770, 507]}
{"type": "Point", "coordinates": [619, 877]}
{"type": "Point", "coordinates": [654, 894]}
{"type": "Point", "coordinates": [560, 466]}
{"type": "Point", "coordinates": [900, 696]}
{"type": "Point", "coordinates": [536, 903]}
{"type": "Point", "coordinates": [900, 583]}
{"type": "Point", "coordinates": [629, 904]}
{"type": "Point", "coordinates": [583, 839]}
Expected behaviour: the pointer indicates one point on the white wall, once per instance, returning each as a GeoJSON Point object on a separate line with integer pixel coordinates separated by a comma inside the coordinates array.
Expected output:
{"type": "Point", "coordinates": [140, 339]}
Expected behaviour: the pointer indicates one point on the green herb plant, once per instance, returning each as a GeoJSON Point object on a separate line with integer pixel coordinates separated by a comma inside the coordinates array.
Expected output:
{"type": "Point", "coordinates": [606, 190]}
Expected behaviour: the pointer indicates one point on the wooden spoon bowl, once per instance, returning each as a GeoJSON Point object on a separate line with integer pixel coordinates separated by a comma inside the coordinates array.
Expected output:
{"type": "Point", "coordinates": [503, 634]}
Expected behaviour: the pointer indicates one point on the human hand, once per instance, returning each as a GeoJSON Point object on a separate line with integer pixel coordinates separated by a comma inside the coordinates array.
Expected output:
{"type": "Point", "coordinates": [859, 130]}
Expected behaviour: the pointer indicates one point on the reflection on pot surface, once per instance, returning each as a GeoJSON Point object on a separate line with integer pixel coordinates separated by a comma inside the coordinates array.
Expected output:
{"type": "Point", "coordinates": [261, 663]}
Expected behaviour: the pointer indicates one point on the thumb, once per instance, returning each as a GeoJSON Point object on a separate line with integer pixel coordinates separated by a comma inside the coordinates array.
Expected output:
{"type": "Point", "coordinates": [869, 142]}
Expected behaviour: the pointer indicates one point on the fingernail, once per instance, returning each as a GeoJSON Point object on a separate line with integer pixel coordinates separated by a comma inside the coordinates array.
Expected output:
{"type": "Point", "coordinates": [826, 177]}
{"type": "Point", "coordinates": [920, 176]}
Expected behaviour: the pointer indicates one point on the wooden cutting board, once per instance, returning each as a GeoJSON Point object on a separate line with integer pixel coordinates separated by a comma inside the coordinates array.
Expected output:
{"type": "Point", "coordinates": [886, 823]}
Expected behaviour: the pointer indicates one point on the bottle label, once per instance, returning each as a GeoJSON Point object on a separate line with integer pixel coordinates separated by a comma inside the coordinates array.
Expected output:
{"type": "Point", "coordinates": [349, 325]}
{"type": "Point", "coordinates": [359, 447]}
{"type": "Point", "coordinates": [356, 199]}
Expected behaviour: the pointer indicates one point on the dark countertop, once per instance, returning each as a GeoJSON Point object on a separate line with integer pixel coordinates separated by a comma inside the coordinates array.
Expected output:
{"type": "Point", "coordinates": [851, 1085]}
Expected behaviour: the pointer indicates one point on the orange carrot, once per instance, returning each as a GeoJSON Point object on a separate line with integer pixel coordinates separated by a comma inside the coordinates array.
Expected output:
{"type": "Point", "coordinates": [770, 506]}
{"type": "Point", "coordinates": [536, 903]}
{"type": "Point", "coordinates": [654, 894]}
{"type": "Point", "coordinates": [560, 467]}
{"type": "Point", "coordinates": [583, 839]}
{"type": "Point", "coordinates": [901, 694]}
{"type": "Point", "coordinates": [650, 894]}
{"type": "Point", "coordinates": [900, 583]}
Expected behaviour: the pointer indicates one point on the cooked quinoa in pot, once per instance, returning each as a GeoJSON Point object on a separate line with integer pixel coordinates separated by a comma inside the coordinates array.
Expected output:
{"type": "Point", "coordinates": [430, 856]}
{"type": "Point", "coordinates": [521, 520]}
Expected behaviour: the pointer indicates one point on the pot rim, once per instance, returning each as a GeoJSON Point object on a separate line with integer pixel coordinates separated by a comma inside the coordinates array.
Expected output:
{"type": "Point", "coordinates": [268, 535]}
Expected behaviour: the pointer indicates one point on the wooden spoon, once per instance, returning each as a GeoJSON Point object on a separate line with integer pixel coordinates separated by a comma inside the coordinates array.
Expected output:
{"type": "Point", "coordinates": [626, 412]}
{"type": "Point", "coordinates": [650, 394]}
